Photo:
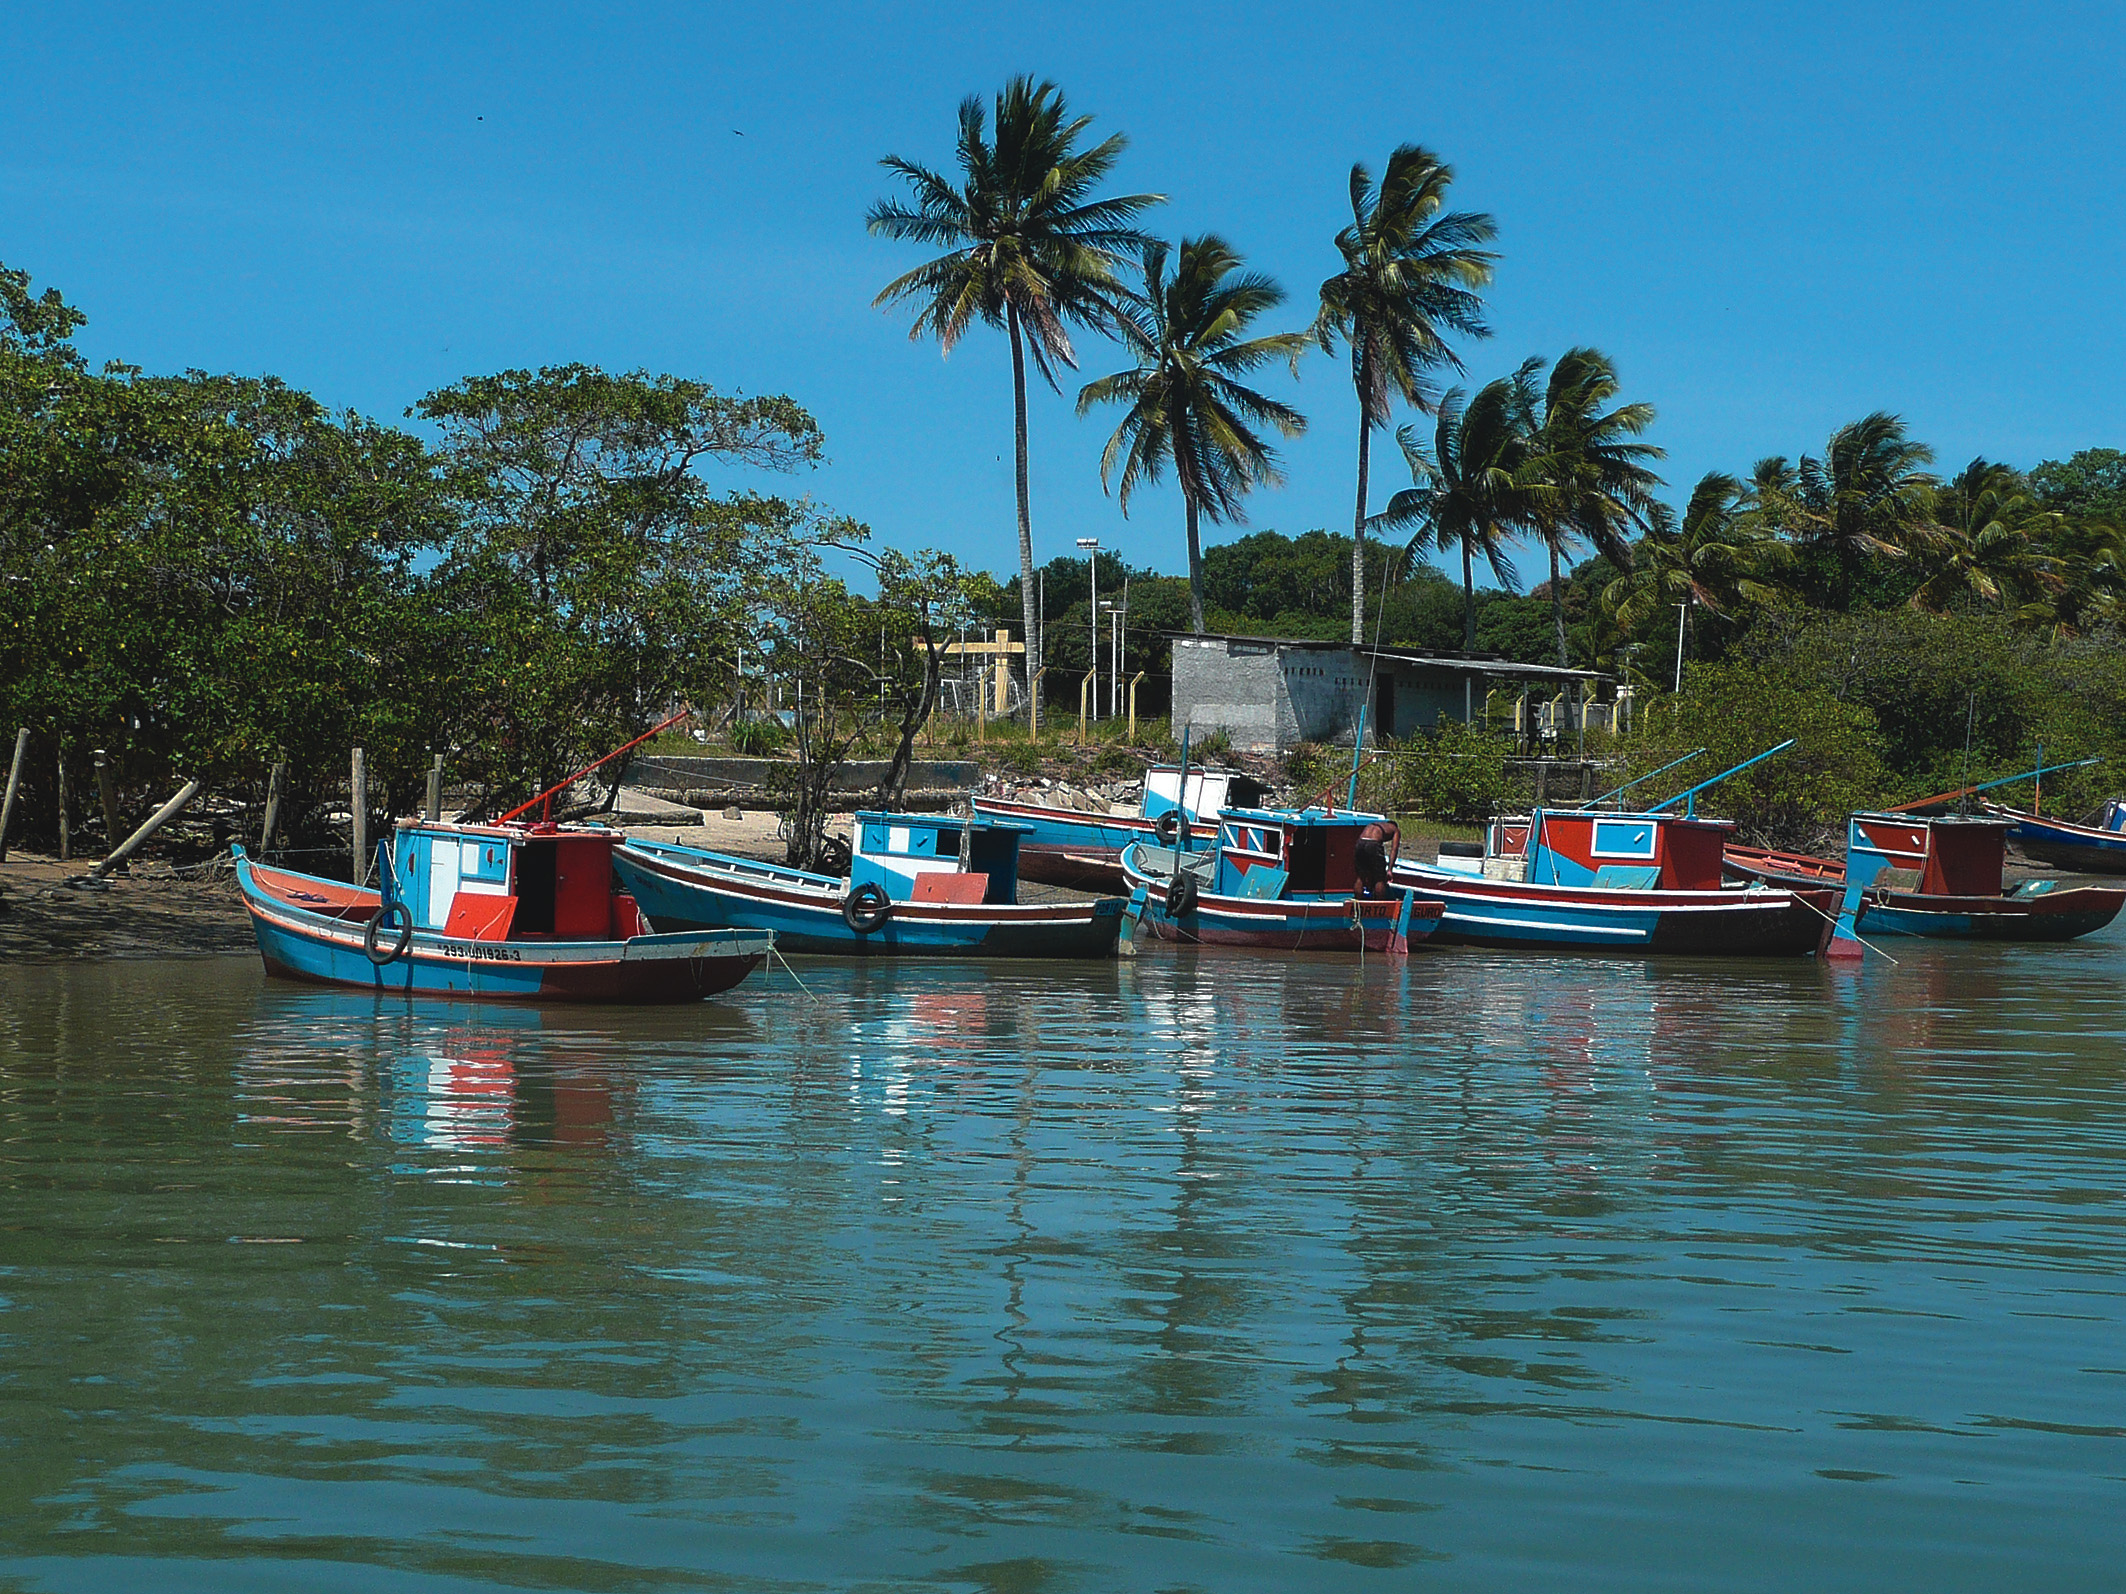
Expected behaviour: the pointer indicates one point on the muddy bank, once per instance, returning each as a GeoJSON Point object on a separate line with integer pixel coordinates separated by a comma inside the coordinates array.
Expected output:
{"type": "Point", "coordinates": [48, 911]}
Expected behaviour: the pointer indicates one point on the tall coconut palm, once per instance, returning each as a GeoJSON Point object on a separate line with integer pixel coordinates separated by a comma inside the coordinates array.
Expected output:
{"type": "Point", "coordinates": [1029, 249]}
{"type": "Point", "coordinates": [1718, 558]}
{"type": "Point", "coordinates": [1598, 476]}
{"type": "Point", "coordinates": [1186, 409]}
{"type": "Point", "coordinates": [1472, 490]}
{"type": "Point", "coordinates": [1411, 275]}
{"type": "Point", "coordinates": [1984, 554]}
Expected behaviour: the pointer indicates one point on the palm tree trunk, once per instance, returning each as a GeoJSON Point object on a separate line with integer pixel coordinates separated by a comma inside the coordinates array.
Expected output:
{"type": "Point", "coordinates": [1028, 610]}
{"type": "Point", "coordinates": [1557, 608]}
{"type": "Point", "coordinates": [1195, 567]}
{"type": "Point", "coordinates": [1358, 518]}
{"type": "Point", "coordinates": [1468, 600]}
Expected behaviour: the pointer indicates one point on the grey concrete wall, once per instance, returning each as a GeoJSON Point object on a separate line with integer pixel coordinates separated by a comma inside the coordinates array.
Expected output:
{"type": "Point", "coordinates": [1234, 687]}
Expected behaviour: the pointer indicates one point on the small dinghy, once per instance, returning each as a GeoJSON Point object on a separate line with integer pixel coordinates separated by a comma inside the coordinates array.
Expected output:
{"type": "Point", "coordinates": [920, 885]}
{"type": "Point", "coordinates": [2096, 846]}
{"type": "Point", "coordinates": [1281, 881]}
{"type": "Point", "coordinates": [528, 912]}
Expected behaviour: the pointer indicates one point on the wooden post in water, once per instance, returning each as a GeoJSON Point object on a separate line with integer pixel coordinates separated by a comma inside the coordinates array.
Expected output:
{"type": "Point", "coordinates": [434, 807]}
{"type": "Point", "coordinates": [107, 794]}
{"type": "Point", "coordinates": [14, 785]}
{"type": "Point", "coordinates": [66, 795]}
{"type": "Point", "coordinates": [162, 816]}
{"type": "Point", "coordinates": [275, 782]}
{"type": "Point", "coordinates": [358, 804]}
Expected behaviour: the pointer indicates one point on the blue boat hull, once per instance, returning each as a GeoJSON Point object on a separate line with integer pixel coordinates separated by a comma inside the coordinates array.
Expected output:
{"type": "Point", "coordinates": [1496, 913]}
{"type": "Point", "coordinates": [682, 888]}
{"type": "Point", "coordinates": [329, 949]}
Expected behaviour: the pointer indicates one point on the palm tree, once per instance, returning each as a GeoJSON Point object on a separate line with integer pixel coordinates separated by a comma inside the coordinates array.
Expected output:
{"type": "Point", "coordinates": [1185, 408]}
{"type": "Point", "coordinates": [1472, 489]}
{"type": "Point", "coordinates": [1984, 553]}
{"type": "Point", "coordinates": [1029, 250]}
{"type": "Point", "coordinates": [1597, 475]}
{"type": "Point", "coordinates": [1717, 558]}
{"type": "Point", "coordinates": [1870, 496]}
{"type": "Point", "coordinates": [1410, 277]}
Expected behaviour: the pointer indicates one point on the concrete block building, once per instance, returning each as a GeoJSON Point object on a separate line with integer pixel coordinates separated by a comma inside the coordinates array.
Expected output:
{"type": "Point", "coordinates": [1269, 694]}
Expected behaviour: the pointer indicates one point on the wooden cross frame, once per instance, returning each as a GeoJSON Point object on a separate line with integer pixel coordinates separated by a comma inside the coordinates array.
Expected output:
{"type": "Point", "coordinates": [1003, 649]}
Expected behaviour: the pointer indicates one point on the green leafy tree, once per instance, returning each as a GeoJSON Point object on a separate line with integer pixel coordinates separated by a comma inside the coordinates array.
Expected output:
{"type": "Point", "coordinates": [1185, 406]}
{"type": "Point", "coordinates": [2089, 482]}
{"type": "Point", "coordinates": [1412, 274]}
{"type": "Point", "coordinates": [1798, 799]}
{"type": "Point", "coordinates": [598, 574]}
{"type": "Point", "coordinates": [1029, 249]}
{"type": "Point", "coordinates": [1472, 489]}
{"type": "Point", "coordinates": [1587, 456]}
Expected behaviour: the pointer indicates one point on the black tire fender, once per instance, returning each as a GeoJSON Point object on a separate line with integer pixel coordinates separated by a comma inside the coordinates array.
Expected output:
{"type": "Point", "coordinates": [1181, 896]}
{"type": "Point", "coordinates": [867, 907]}
{"type": "Point", "coordinates": [1166, 829]}
{"type": "Point", "coordinates": [373, 937]}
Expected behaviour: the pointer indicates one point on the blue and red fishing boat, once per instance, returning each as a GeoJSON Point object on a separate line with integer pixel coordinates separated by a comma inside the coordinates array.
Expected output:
{"type": "Point", "coordinates": [517, 911]}
{"type": "Point", "coordinates": [1615, 882]}
{"type": "Point", "coordinates": [2095, 846]}
{"type": "Point", "coordinates": [918, 885]}
{"type": "Point", "coordinates": [1935, 875]}
{"type": "Point", "coordinates": [1067, 847]}
{"type": "Point", "coordinates": [1285, 881]}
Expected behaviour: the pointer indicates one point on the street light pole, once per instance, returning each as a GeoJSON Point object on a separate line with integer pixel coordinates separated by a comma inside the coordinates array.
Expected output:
{"type": "Point", "coordinates": [1091, 545]}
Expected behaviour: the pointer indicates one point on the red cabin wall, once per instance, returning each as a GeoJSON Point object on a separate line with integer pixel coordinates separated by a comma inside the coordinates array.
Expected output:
{"type": "Point", "coordinates": [1965, 861]}
{"type": "Point", "coordinates": [583, 888]}
{"type": "Point", "coordinates": [1691, 856]}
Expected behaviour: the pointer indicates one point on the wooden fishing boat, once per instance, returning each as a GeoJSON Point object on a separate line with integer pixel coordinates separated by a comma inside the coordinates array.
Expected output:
{"type": "Point", "coordinates": [1936, 875]}
{"type": "Point", "coordinates": [1589, 881]}
{"type": "Point", "coordinates": [2097, 846]}
{"type": "Point", "coordinates": [525, 912]}
{"type": "Point", "coordinates": [1066, 847]}
{"type": "Point", "coordinates": [919, 885]}
{"type": "Point", "coordinates": [1276, 880]}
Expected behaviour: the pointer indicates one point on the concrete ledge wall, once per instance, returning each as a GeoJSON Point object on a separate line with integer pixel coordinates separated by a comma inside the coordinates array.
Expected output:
{"type": "Point", "coordinates": [701, 782]}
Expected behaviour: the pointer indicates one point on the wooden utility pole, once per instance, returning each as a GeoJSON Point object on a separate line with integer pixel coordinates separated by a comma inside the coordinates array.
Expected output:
{"type": "Point", "coordinates": [14, 785]}
{"type": "Point", "coordinates": [358, 789]}
{"type": "Point", "coordinates": [107, 794]}
{"type": "Point", "coordinates": [66, 795]}
{"type": "Point", "coordinates": [434, 809]}
{"type": "Point", "coordinates": [276, 783]}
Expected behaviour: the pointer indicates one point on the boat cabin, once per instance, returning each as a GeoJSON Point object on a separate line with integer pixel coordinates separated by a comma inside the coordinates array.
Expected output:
{"type": "Point", "coordinates": [916, 857]}
{"type": "Point", "coordinates": [1274, 854]}
{"type": "Point", "coordinates": [1612, 851]}
{"type": "Point", "coordinates": [1210, 791]}
{"type": "Point", "coordinates": [1938, 856]}
{"type": "Point", "coordinates": [511, 882]}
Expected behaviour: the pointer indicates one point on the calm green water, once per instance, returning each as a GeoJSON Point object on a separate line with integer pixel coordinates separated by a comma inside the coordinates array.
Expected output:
{"type": "Point", "coordinates": [1221, 1274]}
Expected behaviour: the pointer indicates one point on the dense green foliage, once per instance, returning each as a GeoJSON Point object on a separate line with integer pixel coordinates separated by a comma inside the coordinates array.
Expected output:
{"type": "Point", "coordinates": [205, 575]}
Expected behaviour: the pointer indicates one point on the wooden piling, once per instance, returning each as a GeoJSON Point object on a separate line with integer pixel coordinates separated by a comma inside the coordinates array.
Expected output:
{"type": "Point", "coordinates": [434, 807]}
{"type": "Point", "coordinates": [14, 785]}
{"type": "Point", "coordinates": [358, 804]}
{"type": "Point", "coordinates": [276, 784]}
{"type": "Point", "coordinates": [66, 796]}
{"type": "Point", "coordinates": [162, 816]}
{"type": "Point", "coordinates": [107, 794]}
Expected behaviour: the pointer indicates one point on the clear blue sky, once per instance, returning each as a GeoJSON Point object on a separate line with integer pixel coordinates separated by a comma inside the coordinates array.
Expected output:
{"type": "Point", "coordinates": [1774, 218]}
